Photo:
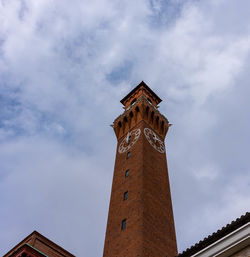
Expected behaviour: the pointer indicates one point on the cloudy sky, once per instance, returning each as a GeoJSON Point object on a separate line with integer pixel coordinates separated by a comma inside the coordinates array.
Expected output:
{"type": "Point", "coordinates": [65, 65]}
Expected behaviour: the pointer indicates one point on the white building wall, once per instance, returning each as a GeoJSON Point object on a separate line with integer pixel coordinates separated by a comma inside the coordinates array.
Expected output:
{"type": "Point", "coordinates": [243, 253]}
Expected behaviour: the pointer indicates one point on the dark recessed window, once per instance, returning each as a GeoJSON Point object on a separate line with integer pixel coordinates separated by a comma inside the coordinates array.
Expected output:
{"type": "Point", "coordinates": [125, 195]}
{"type": "Point", "coordinates": [126, 173]}
{"type": "Point", "coordinates": [133, 101]}
{"type": "Point", "coordinates": [124, 222]}
{"type": "Point", "coordinates": [149, 100]}
{"type": "Point", "coordinates": [128, 155]}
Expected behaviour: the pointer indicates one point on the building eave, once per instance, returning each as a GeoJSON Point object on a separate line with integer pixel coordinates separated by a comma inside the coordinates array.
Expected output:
{"type": "Point", "coordinates": [220, 235]}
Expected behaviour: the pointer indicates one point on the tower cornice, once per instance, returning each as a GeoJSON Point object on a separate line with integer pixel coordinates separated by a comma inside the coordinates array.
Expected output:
{"type": "Point", "coordinates": [141, 109]}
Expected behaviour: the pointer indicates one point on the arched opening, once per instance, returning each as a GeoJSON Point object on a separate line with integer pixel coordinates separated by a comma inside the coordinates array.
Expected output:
{"type": "Point", "coordinates": [152, 117]}
{"type": "Point", "coordinates": [157, 122]}
{"type": "Point", "coordinates": [162, 127]}
{"type": "Point", "coordinates": [147, 111]}
{"type": "Point", "coordinates": [131, 115]}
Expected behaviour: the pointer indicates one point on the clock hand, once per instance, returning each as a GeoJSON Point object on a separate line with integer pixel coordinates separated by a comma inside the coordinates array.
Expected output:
{"type": "Point", "coordinates": [128, 138]}
{"type": "Point", "coordinates": [154, 137]}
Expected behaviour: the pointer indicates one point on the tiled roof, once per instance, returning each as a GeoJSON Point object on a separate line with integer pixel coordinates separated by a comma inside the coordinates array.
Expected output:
{"type": "Point", "coordinates": [216, 235]}
{"type": "Point", "coordinates": [30, 242]}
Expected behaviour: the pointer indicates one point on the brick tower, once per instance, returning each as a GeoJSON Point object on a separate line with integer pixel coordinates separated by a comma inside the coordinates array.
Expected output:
{"type": "Point", "coordinates": [140, 221]}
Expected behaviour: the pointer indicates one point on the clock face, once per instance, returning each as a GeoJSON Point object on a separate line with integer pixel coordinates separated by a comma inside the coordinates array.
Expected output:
{"type": "Point", "coordinates": [129, 140]}
{"type": "Point", "coordinates": [154, 140]}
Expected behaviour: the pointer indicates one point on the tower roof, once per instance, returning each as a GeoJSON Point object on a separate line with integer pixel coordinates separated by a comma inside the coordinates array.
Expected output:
{"type": "Point", "coordinates": [144, 86]}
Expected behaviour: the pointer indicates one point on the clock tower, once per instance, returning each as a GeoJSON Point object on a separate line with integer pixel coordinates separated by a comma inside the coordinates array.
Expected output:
{"type": "Point", "coordinates": [140, 220]}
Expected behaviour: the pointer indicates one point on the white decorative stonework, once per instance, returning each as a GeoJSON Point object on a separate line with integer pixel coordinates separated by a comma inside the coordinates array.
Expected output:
{"type": "Point", "coordinates": [129, 140]}
{"type": "Point", "coordinates": [154, 140]}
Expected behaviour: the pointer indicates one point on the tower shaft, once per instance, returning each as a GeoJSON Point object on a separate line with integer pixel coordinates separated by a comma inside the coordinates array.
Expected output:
{"type": "Point", "coordinates": [140, 220]}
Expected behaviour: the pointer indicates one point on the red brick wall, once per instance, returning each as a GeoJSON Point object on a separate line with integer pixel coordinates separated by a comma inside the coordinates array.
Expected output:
{"type": "Point", "coordinates": [148, 209]}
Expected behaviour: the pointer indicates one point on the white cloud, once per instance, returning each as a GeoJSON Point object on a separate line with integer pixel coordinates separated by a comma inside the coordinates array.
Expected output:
{"type": "Point", "coordinates": [204, 63]}
{"type": "Point", "coordinates": [64, 67]}
{"type": "Point", "coordinates": [209, 171]}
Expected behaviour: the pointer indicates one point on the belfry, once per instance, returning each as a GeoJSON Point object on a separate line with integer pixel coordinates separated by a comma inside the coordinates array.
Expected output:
{"type": "Point", "coordinates": [140, 219]}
